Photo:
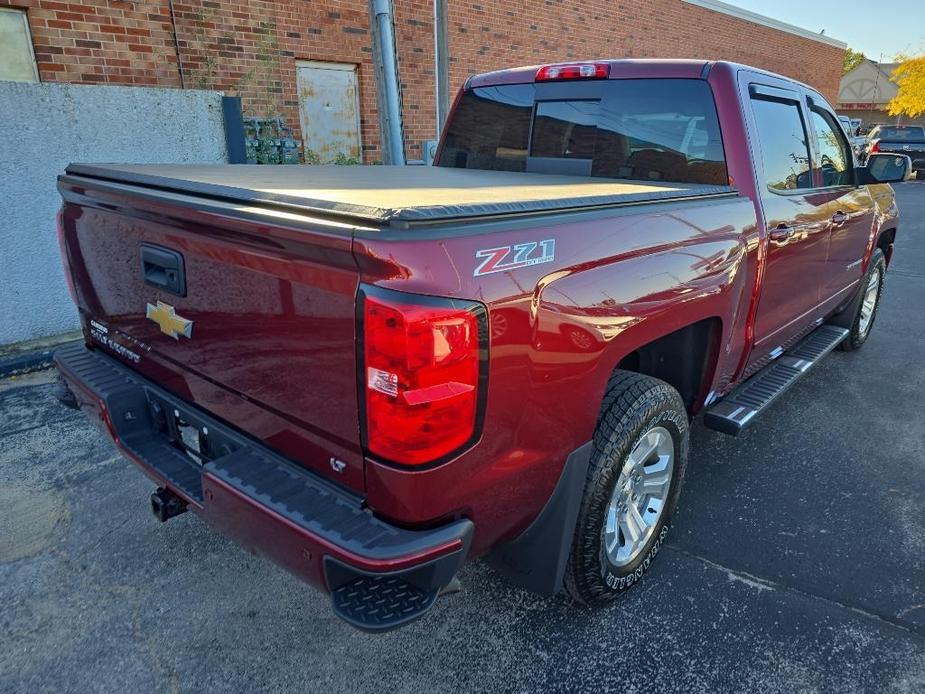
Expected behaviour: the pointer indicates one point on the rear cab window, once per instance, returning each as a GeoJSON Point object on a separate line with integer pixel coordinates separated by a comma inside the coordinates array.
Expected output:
{"type": "Point", "coordinates": [638, 129]}
{"type": "Point", "coordinates": [902, 133]}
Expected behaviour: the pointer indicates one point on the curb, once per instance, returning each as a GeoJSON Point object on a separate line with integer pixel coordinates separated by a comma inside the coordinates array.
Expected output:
{"type": "Point", "coordinates": [29, 361]}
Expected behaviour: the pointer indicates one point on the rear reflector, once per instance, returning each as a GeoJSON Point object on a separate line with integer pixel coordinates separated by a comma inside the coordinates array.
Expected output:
{"type": "Point", "coordinates": [424, 365]}
{"type": "Point", "coordinates": [875, 147]}
{"type": "Point", "coordinates": [576, 71]}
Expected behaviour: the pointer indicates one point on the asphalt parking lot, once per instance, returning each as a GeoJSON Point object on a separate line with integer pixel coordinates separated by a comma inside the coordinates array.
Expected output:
{"type": "Point", "coordinates": [797, 562]}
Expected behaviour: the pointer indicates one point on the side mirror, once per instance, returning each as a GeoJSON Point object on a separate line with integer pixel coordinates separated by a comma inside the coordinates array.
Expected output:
{"type": "Point", "coordinates": [885, 168]}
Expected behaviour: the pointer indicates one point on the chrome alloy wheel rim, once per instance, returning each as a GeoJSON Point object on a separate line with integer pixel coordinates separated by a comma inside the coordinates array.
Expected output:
{"type": "Point", "coordinates": [869, 305]}
{"type": "Point", "coordinates": [639, 497]}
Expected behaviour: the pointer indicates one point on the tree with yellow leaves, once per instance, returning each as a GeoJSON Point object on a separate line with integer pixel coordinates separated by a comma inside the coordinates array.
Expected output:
{"type": "Point", "coordinates": [909, 76]}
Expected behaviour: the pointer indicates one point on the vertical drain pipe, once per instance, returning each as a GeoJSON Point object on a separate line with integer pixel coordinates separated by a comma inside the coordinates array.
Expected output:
{"type": "Point", "coordinates": [441, 64]}
{"type": "Point", "coordinates": [390, 124]}
{"type": "Point", "coordinates": [176, 44]}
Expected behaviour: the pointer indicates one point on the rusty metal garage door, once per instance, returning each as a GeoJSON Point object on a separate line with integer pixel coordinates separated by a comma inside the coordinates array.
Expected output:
{"type": "Point", "coordinates": [330, 111]}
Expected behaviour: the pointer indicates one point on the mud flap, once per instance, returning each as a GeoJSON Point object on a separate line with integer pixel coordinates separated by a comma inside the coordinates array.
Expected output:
{"type": "Point", "coordinates": [536, 559]}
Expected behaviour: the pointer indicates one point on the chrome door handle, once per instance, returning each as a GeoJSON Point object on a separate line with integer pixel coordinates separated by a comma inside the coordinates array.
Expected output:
{"type": "Point", "coordinates": [839, 218]}
{"type": "Point", "coordinates": [781, 232]}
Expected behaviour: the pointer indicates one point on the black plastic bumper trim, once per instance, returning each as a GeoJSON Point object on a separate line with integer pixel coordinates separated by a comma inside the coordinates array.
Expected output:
{"type": "Point", "coordinates": [378, 602]}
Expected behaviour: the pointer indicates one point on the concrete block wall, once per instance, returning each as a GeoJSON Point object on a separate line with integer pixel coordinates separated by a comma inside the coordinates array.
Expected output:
{"type": "Point", "coordinates": [47, 126]}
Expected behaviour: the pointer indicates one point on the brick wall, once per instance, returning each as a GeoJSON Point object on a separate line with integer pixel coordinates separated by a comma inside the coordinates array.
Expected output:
{"type": "Point", "coordinates": [251, 48]}
{"type": "Point", "coordinates": [486, 35]}
{"type": "Point", "coordinates": [102, 41]}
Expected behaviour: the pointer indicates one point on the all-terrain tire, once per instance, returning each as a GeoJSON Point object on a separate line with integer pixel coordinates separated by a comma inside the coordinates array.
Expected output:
{"type": "Point", "coordinates": [633, 406]}
{"type": "Point", "coordinates": [860, 330]}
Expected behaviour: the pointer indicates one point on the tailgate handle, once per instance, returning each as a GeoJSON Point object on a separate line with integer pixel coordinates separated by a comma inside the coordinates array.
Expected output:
{"type": "Point", "coordinates": [163, 269]}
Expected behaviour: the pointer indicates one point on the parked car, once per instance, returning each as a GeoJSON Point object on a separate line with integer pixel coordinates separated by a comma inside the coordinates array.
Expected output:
{"type": "Point", "coordinates": [857, 142]}
{"type": "Point", "coordinates": [901, 139]}
{"type": "Point", "coordinates": [374, 374]}
{"type": "Point", "coordinates": [850, 130]}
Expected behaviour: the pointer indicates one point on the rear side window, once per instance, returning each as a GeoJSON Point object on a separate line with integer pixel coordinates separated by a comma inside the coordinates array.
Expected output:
{"type": "Point", "coordinates": [645, 129]}
{"type": "Point", "coordinates": [490, 129]}
{"type": "Point", "coordinates": [783, 144]}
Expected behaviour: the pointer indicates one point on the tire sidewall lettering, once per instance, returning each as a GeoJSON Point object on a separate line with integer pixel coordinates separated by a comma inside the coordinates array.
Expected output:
{"type": "Point", "coordinates": [619, 583]}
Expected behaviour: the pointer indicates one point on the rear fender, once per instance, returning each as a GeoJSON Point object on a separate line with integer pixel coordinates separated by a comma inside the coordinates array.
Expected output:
{"type": "Point", "coordinates": [621, 307]}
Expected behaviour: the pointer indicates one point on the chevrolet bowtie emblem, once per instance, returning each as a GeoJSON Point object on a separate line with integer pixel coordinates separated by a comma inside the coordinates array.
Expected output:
{"type": "Point", "coordinates": [169, 322]}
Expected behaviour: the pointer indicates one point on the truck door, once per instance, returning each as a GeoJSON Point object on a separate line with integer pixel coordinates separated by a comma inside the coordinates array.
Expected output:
{"type": "Point", "coordinates": [848, 207]}
{"type": "Point", "coordinates": [796, 226]}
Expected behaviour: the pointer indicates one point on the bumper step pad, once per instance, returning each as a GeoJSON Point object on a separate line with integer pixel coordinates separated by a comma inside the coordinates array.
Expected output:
{"type": "Point", "coordinates": [380, 603]}
{"type": "Point", "coordinates": [740, 408]}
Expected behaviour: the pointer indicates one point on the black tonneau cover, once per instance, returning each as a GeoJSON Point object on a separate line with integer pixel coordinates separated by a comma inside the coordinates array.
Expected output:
{"type": "Point", "coordinates": [385, 194]}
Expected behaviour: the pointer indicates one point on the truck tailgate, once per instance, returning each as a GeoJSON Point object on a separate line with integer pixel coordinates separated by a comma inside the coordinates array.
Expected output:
{"type": "Point", "coordinates": [262, 335]}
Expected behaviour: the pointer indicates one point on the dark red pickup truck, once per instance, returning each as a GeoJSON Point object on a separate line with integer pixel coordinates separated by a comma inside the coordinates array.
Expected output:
{"type": "Point", "coordinates": [373, 374]}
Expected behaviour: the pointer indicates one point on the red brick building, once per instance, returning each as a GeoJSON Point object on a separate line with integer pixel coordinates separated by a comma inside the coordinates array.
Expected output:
{"type": "Point", "coordinates": [255, 49]}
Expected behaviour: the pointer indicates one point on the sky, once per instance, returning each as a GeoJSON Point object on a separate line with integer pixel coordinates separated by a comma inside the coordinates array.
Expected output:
{"type": "Point", "coordinates": [874, 28]}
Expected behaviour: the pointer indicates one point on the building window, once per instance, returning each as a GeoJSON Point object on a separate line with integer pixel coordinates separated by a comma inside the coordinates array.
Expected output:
{"type": "Point", "coordinates": [17, 62]}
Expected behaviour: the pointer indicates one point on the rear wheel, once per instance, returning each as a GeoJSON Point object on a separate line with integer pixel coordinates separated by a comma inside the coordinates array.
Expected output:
{"type": "Point", "coordinates": [633, 483]}
{"type": "Point", "coordinates": [866, 307]}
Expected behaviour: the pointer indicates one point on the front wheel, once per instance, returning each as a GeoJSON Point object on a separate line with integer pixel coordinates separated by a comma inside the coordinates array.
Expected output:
{"type": "Point", "coordinates": [869, 301]}
{"type": "Point", "coordinates": [633, 483]}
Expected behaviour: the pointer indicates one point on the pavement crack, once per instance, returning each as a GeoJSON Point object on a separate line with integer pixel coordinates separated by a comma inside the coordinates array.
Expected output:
{"type": "Point", "coordinates": [762, 583]}
{"type": "Point", "coordinates": [109, 531]}
{"type": "Point", "coordinates": [4, 434]}
{"type": "Point", "coordinates": [903, 613]}
{"type": "Point", "coordinates": [23, 430]}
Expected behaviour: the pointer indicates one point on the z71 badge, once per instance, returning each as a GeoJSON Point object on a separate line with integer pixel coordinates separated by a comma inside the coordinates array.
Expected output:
{"type": "Point", "coordinates": [515, 256]}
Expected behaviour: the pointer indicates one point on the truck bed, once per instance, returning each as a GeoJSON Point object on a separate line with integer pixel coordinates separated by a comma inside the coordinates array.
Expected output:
{"type": "Point", "coordinates": [398, 195]}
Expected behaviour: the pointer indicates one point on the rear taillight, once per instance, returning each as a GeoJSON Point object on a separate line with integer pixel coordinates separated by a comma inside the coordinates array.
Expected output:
{"type": "Point", "coordinates": [575, 71]}
{"type": "Point", "coordinates": [424, 367]}
{"type": "Point", "coordinates": [62, 244]}
{"type": "Point", "coordinates": [875, 147]}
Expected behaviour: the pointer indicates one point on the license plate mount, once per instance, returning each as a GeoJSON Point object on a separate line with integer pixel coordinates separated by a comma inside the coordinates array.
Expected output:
{"type": "Point", "coordinates": [191, 439]}
{"type": "Point", "coordinates": [189, 431]}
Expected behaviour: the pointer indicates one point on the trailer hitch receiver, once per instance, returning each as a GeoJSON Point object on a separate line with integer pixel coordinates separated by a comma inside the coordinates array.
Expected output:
{"type": "Point", "coordinates": [165, 504]}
